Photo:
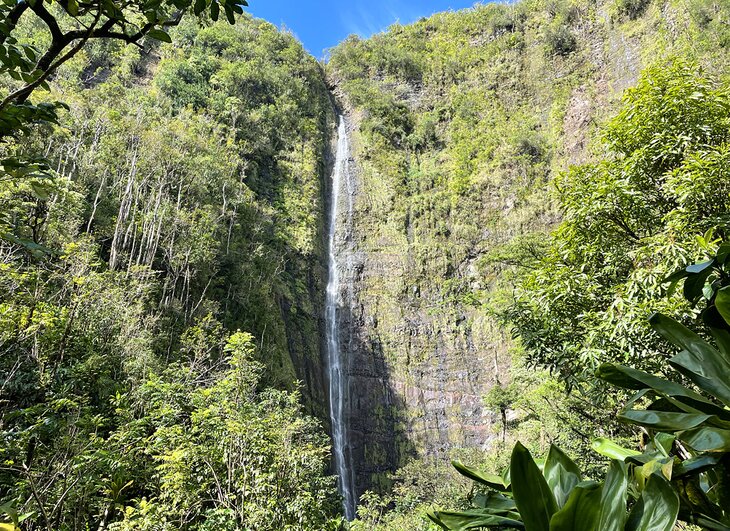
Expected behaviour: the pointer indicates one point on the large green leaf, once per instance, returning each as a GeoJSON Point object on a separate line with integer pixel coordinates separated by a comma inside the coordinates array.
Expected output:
{"type": "Point", "coordinates": [462, 520]}
{"type": "Point", "coordinates": [561, 474]}
{"type": "Point", "coordinates": [495, 502]}
{"type": "Point", "coordinates": [664, 420]}
{"type": "Point", "coordinates": [610, 449]}
{"type": "Point", "coordinates": [695, 465]}
{"type": "Point", "coordinates": [699, 360]}
{"type": "Point", "coordinates": [681, 336]}
{"type": "Point", "coordinates": [680, 396]}
{"type": "Point", "coordinates": [695, 283]}
{"type": "Point", "coordinates": [657, 509]}
{"type": "Point", "coordinates": [722, 338]}
{"type": "Point", "coordinates": [612, 508]}
{"type": "Point", "coordinates": [722, 303]}
{"type": "Point", "coordinates": [706, 374]}
{"type": "Point", "coordinates": [531, 492]}
{"type": "Point", "coordinates": [581, 510]}
{"type": "Point", "coordinates": [490, 480]}
{"type": "Point", "coordinates": [707, 439]}
{"type": "Point", "coordinates": [663, 442]}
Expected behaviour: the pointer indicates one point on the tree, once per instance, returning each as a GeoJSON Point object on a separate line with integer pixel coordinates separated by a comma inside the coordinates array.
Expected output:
{"type": "Point", "coordinates": [70, 24]}
{"type": "Point", "coordinates": [684, 469]}
{"type": "Point", "coordinates": [657, 199]}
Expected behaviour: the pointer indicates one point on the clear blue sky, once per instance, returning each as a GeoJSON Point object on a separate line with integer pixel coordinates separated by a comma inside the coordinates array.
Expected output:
{"type": "Point", "coordinates": [321, 24]}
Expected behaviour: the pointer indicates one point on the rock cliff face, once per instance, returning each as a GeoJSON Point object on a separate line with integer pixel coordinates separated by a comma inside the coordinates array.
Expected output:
{"type": "Point", "coordinates": [458, 123]}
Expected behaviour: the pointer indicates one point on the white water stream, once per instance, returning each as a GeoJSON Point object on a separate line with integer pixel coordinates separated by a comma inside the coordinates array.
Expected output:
{"type": "Point", "coordinates": [336, 355]}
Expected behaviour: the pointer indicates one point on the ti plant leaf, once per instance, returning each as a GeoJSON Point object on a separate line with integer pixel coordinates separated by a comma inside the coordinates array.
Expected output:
{"type": "Point", "coordinates": [472, 520]}
{"type": "Point", "coordinates": [608, 448]}
{"type": "Point", "coordinates": [532, 495]}
{"type": "Point", "coordinates": [722, 303]}
{"type": "Point", "coordinates": [612, 510]}
{"type": "Point", "coordinates": [561, 474]}
{"type": "Point", "coordinates": [699, 361]}
{"type": "Point", "coordinates": [657, 509]}
{"type": "Point", "coordinates": [581, 511]}
{"type": "Point", "coordinates": [490, 480]}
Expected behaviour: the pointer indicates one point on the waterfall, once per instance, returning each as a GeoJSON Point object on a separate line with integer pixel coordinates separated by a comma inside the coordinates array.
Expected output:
{"type": "Point", "coordinates": [336, 355]}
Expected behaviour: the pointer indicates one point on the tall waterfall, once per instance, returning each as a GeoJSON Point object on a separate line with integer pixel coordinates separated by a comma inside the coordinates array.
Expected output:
{"type": "Point", "coordinates": [336, 355]}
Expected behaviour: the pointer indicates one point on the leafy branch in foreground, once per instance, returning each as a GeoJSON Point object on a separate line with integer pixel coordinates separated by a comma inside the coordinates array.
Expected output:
{"type": "Point", "coordinates": [682, 473]}
{"type": "Point", "coordinates": [554, 497]}
{"type": "Point", "coordinates": [69, 25]}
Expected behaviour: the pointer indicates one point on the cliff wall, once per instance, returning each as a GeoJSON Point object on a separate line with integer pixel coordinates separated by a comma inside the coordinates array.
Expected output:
{"type": "Point", "coordinates": [459, 123]}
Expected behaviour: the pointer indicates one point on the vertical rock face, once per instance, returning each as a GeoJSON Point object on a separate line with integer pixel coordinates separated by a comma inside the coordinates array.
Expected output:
{"type": "Point", "coordinates": [417, 375]}
{"type": "Point", "coordinates": [460, 121]}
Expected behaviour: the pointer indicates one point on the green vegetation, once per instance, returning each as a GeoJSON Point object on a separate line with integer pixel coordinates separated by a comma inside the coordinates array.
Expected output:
{"type": "Point", "coordinates": [658, 198]}
{"type": "Point", "coordinates": [180, 201]}
{"type": "Point", "coordinates": [162, 266]}
{"type": "Point", "coordinates": [683, 469]}
{"type": "Point", "coordinates": [468, 123]}
{"type": "Point", "coordinates": [628, 222]}
{"type": "Point", "coordinates": [555, 498]}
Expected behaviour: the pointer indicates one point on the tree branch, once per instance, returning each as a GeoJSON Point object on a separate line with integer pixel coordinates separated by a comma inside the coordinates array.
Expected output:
{"type": "Point", "coordinates": [13, 17]}
{"type": "Point", "coordinates": [22, 94]}
{"type": "Point", "coordinates": [39, 9]}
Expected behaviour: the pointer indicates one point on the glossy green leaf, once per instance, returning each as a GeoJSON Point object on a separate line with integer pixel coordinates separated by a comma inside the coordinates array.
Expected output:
{"type": "Point", "coordinates": [159, 35]}
{"type": "Point", "coordinates": [707, 439]}
{"type": "Point", "coordinates": [700, 267]}
{"type": "Point", "coordinates": [695, 465]}
{"type": "Point", "coordinates": [462, 520]}
{"type": "Point", "coordinates": [663, 420]}
{"type": "Point", "coordinates": [703, 373]}
{"type": "Point", "coordinates": [688, 400]}
{"type": "Point", "coordinates": [664, 442]}
{"type": "Point", "coordinates": [700, 361]}
{"type": "Point", "coordinates": [657, 509]}
{"type": "Point", "coordinates": [658, 465]}
{"type": "Point", "coordinates": [490, 480]}
{"type": "Point", "coordinates": [495, 502]}
{"type": "Point", "coordinates": [531, 492]}
{"type": "Point", "coordinates": [694, 285]}
{"type": "Point", "coordinates": [581, 510]}
{"type": "Point", "coordinates": [608, 448]}
{"type": "Point", "coordinates": [722, 303]}
{"type": "Point", "coordinates": [612, 508]}
{"type": "Point", "coordinates": [561, 474]}
{"type": "Point", "coordinates": [722, 339]}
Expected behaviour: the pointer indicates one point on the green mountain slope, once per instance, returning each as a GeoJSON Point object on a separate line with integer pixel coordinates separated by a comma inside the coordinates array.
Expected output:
{"type": "Point", "coordinates": [202, 162]}
{"type": "Point", "coordinates": [188, 206]}
{"type": "Point", "coordinates": [462, 120]}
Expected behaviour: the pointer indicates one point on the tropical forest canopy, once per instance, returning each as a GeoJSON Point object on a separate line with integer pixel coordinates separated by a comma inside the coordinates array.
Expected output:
{"type": "Point", "coordinates": [554, 174]}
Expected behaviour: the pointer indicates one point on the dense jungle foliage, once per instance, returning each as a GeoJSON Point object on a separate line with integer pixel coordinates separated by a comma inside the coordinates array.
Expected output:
{"type": "Point", "coordinates": [162, 265]}
{"type": "Point", "coordinates": [185, 205]}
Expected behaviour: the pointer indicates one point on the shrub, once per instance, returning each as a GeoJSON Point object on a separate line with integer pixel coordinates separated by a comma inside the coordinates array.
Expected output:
{"type": "Point", "coordinates": [559, 40]}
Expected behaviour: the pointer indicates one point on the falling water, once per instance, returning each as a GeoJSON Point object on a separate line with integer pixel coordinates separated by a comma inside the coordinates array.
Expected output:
{"type": "Point", "coordinates": [336, 357]}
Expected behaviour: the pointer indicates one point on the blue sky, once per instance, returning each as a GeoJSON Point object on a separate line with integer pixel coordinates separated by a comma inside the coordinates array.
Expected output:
{"type": "Point", "coordinates": [321, 24]}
